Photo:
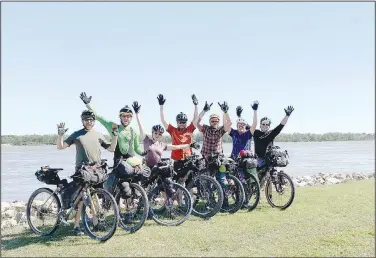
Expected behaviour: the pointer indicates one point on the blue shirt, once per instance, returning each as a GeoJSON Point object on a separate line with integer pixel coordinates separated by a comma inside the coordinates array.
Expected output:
{"type": "Point", "coordinates": [239, 141]}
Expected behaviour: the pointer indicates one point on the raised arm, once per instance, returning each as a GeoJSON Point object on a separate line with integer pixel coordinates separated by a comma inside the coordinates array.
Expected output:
{"type": "Point", "coordinates": [254, 124]}
{"type": "Point", "coordinates": [195, 114]}
{"type": "Point", "coordinates": [136, 108]}
{"type": "Point", "coordinates": [107, 124]}
{"type": "Point", "coordinates": [60, 132]}
{"type": "Point", "coordinates": [161, 101]}
{"type": "Point", "coordinates": [279, 127]}
{"type": "Point", "coordinates": [226, 118]}
{"type": "Point", "coordinates": [201, 115]}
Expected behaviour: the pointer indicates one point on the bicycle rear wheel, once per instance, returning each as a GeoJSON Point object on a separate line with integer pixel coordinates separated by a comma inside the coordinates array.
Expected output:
{"type": "Point", "coordinates": [43, 211]}
{"type": "Point", "coordinates": [107, 215]}
{"type": "Point", "coordinates": [208, 198]}
{"type": "Point", "coordinates": [134, 209]}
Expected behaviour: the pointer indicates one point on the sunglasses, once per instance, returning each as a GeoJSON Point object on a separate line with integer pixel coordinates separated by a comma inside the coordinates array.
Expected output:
{"type": "Point", "coordinates": [182, 123]}
{"type": "Point", "coordinates": [214, 121]}
{"type": "Point", "coordinates": [89, 120]}
{"type": "Point", "coordinates": [265, 124]}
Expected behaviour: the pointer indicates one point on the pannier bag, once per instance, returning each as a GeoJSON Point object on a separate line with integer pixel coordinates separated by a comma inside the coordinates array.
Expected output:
{"type": "Point", "coordinates": [92, 174]}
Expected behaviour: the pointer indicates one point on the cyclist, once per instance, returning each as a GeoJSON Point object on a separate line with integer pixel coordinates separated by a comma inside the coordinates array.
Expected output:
{"type": "Point", "coordinates": [154, 147]}
{"type": "Point", "coordinates": [128, 143]}
{"type": "Point", "coordinates": [241, 139]}
{"type": "Point", "coordinates": [212, 136]}
{"type": "Point", "coordinates": [264, 138]}
{"type": "Point", "coordinates": [88, 143]}
{"type": "Point", "coordinates": [181, 134]}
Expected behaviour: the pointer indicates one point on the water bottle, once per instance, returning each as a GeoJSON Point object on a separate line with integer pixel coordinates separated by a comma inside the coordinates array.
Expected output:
{"type": "Point", "coordinates": [85, 198]}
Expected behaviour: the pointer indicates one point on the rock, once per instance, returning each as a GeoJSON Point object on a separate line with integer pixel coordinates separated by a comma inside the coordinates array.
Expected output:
{"type": "Point", "coordinates": [349, 176]}
{"type": "Point", "coordinates": [311, 183]}
{"type": "Point", "coordinates": [21, 217]}
{"type": "Point", "coordinates": [8, 223]}
{"type": "Point", "coordinates": [307, 178]}
{"type": "Point", "coordinates": [18, 205]}
{"type": "Point", "coordinates": [339, 176]}
{"type": "Point", "coordinates": [9, 214]}
{"type": "Point", "coordinates": [300, 184]}
{"type": "Point", "coordinates": [5, 206]}
{"type": "Point", "coordinates": [371, 176]}
{"type": "Point", "coordinates": [332, 180]}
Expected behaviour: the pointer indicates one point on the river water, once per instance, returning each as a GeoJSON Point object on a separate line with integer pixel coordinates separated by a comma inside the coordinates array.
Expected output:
{"type": "Point", "coordinates": [19, 163]}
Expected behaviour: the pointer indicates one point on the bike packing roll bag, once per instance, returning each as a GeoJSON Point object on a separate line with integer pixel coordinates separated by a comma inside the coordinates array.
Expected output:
{"type": "Point", "coordinates": [48, 176]}
{"type": "Point", "coordinates": [132, 167]}
{"type": "Point", "coordinates": [92, 174]}
{"type": "Point", "coordinates": [277, 157]}
{"type": "Point", "coordinates": [68, 193]}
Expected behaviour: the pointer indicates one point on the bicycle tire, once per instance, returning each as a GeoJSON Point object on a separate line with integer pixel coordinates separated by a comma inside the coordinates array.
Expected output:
{"type": "Point", "coordinates": [292, 192]}
{"type": "Point", "coordinates": [219, 189]}
{"type": "Point", "coordinates": [145, 211]}
{"type": "Point", "coordinates": [116, 215]}
{"type": "Point", "coordinates": [28, 211]}
{"type": "Point", "coordinates": [238, 203]}
{"type": "Point", "coordinates": [252, 179]}
{"type": "Point", "coordinates": [188, 200]}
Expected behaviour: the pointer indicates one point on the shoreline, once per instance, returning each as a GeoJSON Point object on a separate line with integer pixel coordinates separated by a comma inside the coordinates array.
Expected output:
{"type": "Point", "coordinates": [13, 212]}
{"type": "Point", "coordinates": [199, 141]}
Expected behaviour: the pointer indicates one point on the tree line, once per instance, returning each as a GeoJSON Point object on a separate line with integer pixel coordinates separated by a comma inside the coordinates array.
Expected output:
{"type": "Point", "coordinates": [294, 137]}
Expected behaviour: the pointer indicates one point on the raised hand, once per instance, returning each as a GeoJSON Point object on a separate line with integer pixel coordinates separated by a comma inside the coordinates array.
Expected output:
{"type": "Point", "coordinates": [84, 98]}
{"type": "Point", "coordinates": [207, 106]}
{"type": "Point", "coordinates": [136, 107]}
{"type": "Point", "coordinates": [161, 99]}
{"type": "Point", "coordinates": [239, 111]}
{"type": "Point", "coordinates": [195, 145]}
{"type": "Point", "coordinates": [194, 99]}
{"type": "Point", "coordinates": [61, 130]}
{"type": "Point", "coordinates": [255, 105]}
{"type": "Point", "coordinates": [289, 110]}
{"type": "Point", "coordinates": [224, 106]}
{"type": "Point", "coordinates": [115, 130]}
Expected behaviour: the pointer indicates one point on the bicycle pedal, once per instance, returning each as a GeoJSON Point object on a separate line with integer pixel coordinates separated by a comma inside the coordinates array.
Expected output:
{"type": "Point", "coordinates": [64, 222]}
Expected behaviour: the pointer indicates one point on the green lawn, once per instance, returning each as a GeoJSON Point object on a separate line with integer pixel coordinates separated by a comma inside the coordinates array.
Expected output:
{"type": "Point", "coordinates": [323, 221]}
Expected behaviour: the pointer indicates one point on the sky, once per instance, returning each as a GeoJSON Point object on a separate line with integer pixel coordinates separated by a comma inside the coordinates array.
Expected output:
{"type": "Point", "coordinates": [318, 57]}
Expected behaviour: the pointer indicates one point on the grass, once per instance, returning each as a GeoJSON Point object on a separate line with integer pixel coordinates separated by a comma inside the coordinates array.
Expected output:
{"type": "Point", "coordinates": [323, 221]}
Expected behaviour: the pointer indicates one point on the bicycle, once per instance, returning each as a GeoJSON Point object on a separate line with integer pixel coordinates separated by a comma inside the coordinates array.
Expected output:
{"type": "Point", "coordinates": [251, 187]}
{"type": "Point", "coordinates": [234, 188]}
{"type": "Point", "coordinates": [271, 178]}
{"type": "Point", "coordinates": [91, 195]}
{"type": "Point", "coordinates": [206, 192]}
{"type": "Point", "coordinates": [164, 194]}
{"type": "Point", "coordinates": [133, 203]}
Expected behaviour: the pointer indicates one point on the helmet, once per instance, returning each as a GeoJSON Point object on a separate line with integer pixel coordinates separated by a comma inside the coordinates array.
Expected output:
{"type": "Point", "coordinates": [265, 119]}
{"type": "Point", "coordinates": [241, 120]}
{"type": "Point", "coordinates": [157, 128]}
{"type": "Point", "coordinates": [87, 114]}
{"type": "Point", "coordinates": [213, 116]}
{"type": "Point", "coordinates": [126, 109]}
{"type": "Point", "coordinates": [181, 117]}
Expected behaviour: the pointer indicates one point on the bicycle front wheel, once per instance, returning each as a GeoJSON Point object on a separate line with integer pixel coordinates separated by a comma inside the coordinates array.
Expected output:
{"type": "Point", "coordinates": [42, 211]}
{"type": "Point", "coordinates": [252, 193]}
{"type": "Point", "coordinates": [170, 209]}
{"type": "Point", "coordinates": [233, 195]}
{"type": "Point", "coordinates": [100, 215]}
{"type": "Point", "coordinates": [207, 196]}
{"type": "Point", "coordinates": [133, 209]}
{"type": "Point", "coordinates": [280, 192]}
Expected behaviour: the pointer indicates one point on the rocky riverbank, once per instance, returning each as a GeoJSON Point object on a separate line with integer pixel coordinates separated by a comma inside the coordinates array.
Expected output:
{"type": "Point", "coordinates": [13, 213]}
